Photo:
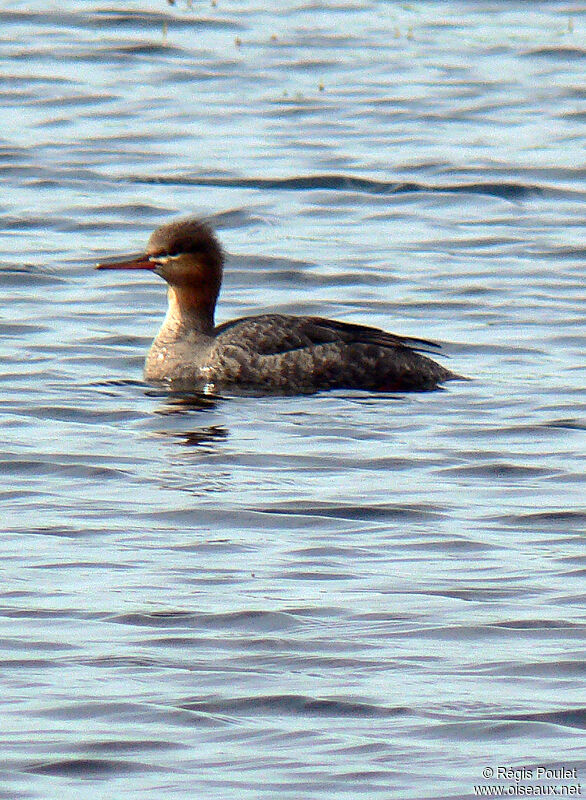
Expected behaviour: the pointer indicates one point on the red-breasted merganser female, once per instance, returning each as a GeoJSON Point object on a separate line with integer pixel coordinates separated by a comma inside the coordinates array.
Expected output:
{"type": "Point", "coordinates": [270, 352]}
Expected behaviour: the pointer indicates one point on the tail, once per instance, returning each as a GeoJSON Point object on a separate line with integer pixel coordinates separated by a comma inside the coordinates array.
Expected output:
{"type": "Point", "coordinates": [416, 373]}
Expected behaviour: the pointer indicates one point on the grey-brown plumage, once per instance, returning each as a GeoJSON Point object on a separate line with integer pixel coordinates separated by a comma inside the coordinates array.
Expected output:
{"type": "Point", "coordinates": [271, 352]}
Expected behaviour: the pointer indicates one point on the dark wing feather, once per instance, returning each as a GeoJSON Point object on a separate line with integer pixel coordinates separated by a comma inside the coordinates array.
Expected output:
{"type": "Point", "coordinates": [270, 334]}
{"type": "Point", "coordinates": [351, 332]}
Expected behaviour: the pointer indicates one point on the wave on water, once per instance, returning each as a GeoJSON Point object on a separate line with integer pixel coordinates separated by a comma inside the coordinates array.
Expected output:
{"type": "Point", "coordinates": [508, 190]}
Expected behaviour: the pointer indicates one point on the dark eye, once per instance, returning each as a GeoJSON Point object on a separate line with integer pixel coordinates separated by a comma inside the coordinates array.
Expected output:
{"type": "Point", "coordinates": [169, 253]}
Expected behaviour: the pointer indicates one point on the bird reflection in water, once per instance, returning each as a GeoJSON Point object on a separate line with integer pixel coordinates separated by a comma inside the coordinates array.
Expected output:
{"type": "Point", "coordinates": [179, 403]}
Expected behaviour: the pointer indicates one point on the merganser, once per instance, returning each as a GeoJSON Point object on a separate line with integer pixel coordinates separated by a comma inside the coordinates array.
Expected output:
{"type": "Point", "coordinates": [266, 353]}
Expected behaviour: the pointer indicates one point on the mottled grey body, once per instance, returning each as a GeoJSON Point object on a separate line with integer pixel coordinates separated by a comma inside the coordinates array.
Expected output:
{"type": "Point", "coordinates": [274, 352]}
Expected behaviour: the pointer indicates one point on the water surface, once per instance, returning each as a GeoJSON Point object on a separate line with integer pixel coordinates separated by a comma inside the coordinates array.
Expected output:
{"type": "Point", "coordinates": [331, 596]}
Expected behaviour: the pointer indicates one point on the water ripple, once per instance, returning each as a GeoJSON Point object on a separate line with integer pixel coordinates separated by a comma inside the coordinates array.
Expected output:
{"type": "Point", "coordinates": [254, 597]}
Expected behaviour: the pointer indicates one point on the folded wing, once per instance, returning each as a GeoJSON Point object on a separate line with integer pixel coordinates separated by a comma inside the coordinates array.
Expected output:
{"type": "Point", "coordinates": [271, 334]}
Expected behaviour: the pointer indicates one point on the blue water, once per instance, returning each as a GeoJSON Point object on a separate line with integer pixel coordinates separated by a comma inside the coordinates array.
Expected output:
{"type": "Point", "coordinates": [341, 595]}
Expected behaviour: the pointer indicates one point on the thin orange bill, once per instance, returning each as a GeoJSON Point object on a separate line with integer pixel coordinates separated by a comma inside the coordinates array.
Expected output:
{"type": "Point", "coordinates": [134, 261]}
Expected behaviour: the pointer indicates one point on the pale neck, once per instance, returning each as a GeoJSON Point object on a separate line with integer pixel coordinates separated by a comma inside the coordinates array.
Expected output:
{"type": "Point", "coordinates": [190, 309]}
